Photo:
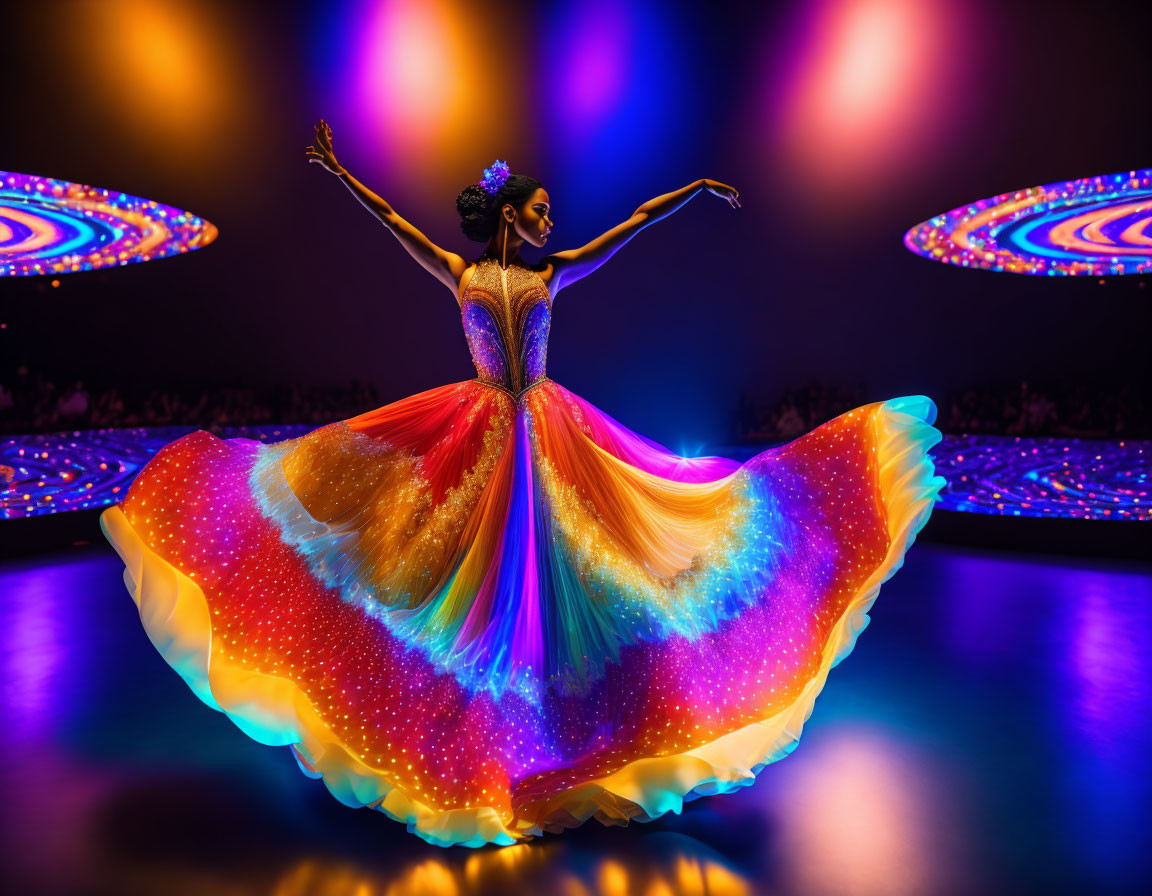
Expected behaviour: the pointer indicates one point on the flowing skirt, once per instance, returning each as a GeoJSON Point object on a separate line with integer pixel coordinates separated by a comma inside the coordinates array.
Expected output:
{"type": "Point", "coordinates": [490, 617]}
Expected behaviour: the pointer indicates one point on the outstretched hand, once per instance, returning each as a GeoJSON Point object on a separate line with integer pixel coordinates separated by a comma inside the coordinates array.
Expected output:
{"type": "Point", "coordinates": [723, 191]}
{"type": "Point", "coordinates": [322, 152]}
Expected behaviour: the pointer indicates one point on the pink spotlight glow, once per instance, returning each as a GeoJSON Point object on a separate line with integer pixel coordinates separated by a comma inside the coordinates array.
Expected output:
{"type": "Point", "coordinates": [865, 89]}
{"type": "Point", "coordinates": [408, 68]}
{"type": "Point", "coordinates": [863, 816]}
{"type": "Point", "coordinates": [874, 50]}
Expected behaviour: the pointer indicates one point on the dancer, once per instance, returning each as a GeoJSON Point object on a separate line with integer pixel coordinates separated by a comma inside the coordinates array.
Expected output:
{"type": "Point", "coordinates": [490, 610]}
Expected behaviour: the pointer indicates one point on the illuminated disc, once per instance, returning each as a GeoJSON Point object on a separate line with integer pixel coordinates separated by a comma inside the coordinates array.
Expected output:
{"type": "Point", "coordinates": [1094, 227]}
{"type": "Point", "coordinates": [50, 226]}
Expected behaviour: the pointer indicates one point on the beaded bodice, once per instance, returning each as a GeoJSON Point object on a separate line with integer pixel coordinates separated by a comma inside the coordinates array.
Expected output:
{"type": "Point", "coordinates": [506, 314]}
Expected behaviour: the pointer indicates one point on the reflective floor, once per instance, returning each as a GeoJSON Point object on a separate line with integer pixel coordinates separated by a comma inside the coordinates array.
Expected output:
{"type": "Point", "coordinates": [991, 733]}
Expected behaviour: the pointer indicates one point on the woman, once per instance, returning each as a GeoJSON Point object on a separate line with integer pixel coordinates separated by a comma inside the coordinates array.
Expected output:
{"type": "Point", "coordinates": [490, 610]}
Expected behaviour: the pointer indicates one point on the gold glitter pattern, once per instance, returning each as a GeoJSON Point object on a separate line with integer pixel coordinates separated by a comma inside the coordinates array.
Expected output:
{"type": "Point", "coordinates": [506, 315]}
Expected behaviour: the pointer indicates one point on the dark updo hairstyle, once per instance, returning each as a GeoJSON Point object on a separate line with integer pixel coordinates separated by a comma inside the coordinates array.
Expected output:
{"type": "Point", "coordinates": [480, 211]}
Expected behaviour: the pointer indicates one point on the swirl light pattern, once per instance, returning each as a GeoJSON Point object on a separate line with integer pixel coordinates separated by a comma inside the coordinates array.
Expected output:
{"type": "Point", "coordinates": [1093, 227]}
{"type": "Point", "coordinates": [79, 470]}
{"type": "Point", "coordinates": [1072, 478]}
{"type": "Point", "coordinates": [50, 226]}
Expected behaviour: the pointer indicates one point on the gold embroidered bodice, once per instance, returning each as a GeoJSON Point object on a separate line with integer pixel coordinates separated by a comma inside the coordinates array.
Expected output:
{"type": "Point", "coordinates": [507, 313]}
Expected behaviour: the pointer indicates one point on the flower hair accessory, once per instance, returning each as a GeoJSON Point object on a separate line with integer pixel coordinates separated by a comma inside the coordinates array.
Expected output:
{"type": "Point", "coordinates": [494, 177]}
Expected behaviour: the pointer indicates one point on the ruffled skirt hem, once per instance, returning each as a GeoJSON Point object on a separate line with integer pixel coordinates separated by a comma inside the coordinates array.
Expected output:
{"type": "Point", "coordinates": [275, 711]}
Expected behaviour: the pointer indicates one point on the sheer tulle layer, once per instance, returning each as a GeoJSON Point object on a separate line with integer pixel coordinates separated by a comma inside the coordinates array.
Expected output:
{"type": "Point", "coordinates": [490, 617]}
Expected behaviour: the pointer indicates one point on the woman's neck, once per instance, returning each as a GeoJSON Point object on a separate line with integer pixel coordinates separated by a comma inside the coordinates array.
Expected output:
{"type": "Point", "coordinates": [495, 256]}
{"type": "Point", "coordinates": [504, 246]}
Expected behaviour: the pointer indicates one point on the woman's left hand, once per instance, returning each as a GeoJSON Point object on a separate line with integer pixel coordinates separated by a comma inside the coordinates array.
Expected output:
{"type": "Point", "coordinates": [723, 191]}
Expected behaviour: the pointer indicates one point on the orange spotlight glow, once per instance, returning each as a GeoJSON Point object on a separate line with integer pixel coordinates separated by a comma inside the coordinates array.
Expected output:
{"type": "Point", "coordinates": [165, 74]}
{"type": "Point", "coordinates": [167, 61]}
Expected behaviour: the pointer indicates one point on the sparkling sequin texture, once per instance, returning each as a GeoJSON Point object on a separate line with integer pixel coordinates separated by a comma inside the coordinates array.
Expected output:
{"type": "Point", "coordinates": [490, 610]}
{"type": "Point", "coordinates": [507, 314]}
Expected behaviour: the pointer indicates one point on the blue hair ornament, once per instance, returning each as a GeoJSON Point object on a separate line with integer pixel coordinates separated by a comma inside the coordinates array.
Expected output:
{"type": "Point", "coordinates": [494, 177]}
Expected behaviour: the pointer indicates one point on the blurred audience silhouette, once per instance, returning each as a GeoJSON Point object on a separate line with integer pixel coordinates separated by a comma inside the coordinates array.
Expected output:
{"type": "Point", "coordinates": [1024, 409]}
{"type": "Point", "coordinates": [31, 402]}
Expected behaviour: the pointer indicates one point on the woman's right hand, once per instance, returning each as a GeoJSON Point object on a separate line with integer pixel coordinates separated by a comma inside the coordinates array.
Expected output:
{"type": "Point", "coordinates": [322, 152]}
{"type": "Point", "coordinates": [723, 191]}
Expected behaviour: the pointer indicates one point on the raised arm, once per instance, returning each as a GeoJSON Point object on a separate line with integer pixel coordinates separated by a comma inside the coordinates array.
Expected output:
{"type": "Point", "coordinates": [571, 265]}
{"type": "Point", "coordinates": [445, 266]}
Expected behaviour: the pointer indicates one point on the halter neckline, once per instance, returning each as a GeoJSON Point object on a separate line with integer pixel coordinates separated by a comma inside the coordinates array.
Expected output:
{"type": "Point", "coordinates": [487, 257]}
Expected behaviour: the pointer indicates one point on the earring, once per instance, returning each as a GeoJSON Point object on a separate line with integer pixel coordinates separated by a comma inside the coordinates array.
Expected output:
{"type": "Point", "coordinates": [504, 254]}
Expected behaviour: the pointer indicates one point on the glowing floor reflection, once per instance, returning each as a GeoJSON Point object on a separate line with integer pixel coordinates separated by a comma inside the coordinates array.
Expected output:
{"type": "Point", "coordinates": [989, 734]}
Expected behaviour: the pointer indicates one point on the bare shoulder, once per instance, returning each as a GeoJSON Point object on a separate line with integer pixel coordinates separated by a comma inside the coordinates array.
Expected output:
{"type": "Point", "coordinates": [545, 269]}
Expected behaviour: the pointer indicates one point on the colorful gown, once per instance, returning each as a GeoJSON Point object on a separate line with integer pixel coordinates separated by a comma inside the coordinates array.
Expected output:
{"type": "Point", "coordinates": [490, 610]}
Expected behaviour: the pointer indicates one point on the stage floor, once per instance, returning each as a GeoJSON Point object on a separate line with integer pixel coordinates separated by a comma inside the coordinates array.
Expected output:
{"type": "Point", "coordinates": [991, 733]}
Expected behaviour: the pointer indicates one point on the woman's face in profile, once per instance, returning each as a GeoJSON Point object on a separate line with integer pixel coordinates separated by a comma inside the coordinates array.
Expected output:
{"type": "Point", "coordinates": [534, 221]}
